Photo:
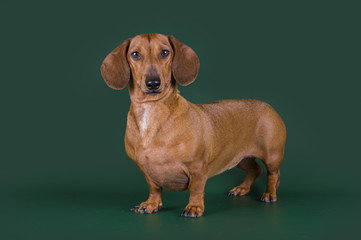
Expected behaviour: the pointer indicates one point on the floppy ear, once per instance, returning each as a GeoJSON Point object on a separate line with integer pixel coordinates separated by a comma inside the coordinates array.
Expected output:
{"type": "Point", "coordinates": [185, 63]}
{"type": "Point", "coordinates": [115, 68]}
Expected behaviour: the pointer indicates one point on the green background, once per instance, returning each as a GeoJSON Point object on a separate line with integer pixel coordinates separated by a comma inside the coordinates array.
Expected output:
{"type": "Point", "coordinates": [64, 173]}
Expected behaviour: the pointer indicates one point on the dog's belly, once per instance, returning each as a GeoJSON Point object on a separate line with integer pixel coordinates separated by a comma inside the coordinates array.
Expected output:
{"type": "Point", "coordinates": [223, 164]}
{"type": "Point", "coordinates": [169, 176]}
{"type": "Point", "coordinates": [230, 157]}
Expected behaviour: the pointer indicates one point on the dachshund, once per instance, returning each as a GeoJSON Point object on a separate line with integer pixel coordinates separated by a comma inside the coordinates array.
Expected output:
{"type": "Point", "coordinates": [178, 145]}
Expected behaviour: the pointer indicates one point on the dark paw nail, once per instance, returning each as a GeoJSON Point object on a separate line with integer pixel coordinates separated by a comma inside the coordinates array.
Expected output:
{"type": "Point", "coordinates": [134, 208]}
{"type": "Point", "coordinates": [185, 213]}
{"type": "Point", "coordinates": [142, 209]}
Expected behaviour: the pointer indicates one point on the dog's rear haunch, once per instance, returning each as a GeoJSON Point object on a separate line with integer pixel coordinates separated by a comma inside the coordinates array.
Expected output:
{"type": "Point", "coordinates": [178, 145]}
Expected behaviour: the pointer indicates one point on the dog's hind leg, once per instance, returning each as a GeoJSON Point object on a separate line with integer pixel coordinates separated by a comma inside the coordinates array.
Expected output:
{"type": "Point", "coordinates": [253, 171]}
{"type": "Point", "coordinates": [272, 164]}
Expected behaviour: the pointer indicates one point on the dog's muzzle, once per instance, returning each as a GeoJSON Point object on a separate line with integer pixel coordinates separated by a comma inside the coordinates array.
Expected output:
{"type": "Point", "coordinates": [152, 82]}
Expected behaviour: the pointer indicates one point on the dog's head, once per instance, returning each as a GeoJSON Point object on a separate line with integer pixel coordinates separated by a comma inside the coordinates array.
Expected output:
{"type": "Point", "coordinates": [150, 63]}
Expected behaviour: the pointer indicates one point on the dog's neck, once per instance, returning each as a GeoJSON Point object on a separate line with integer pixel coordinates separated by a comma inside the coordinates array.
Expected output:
{"type": "Point", "coordinates": [151, 115]}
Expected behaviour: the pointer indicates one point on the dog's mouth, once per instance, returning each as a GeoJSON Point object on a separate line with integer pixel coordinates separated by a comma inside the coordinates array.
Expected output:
{"type": "Point", "coordinates": [153, 93]}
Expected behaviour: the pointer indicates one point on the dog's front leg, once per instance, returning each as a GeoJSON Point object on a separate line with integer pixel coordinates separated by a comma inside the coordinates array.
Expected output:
{"type": "Point", "coordinates": [197, 183]}
{"type": "Point", "coordinates": [154, 201]}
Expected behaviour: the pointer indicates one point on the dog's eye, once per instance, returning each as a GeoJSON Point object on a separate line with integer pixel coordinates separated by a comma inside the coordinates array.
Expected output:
{"type": "Point", "coordinates": [164, 53]}
{"type": "Point", "coordinates": [135, 55]}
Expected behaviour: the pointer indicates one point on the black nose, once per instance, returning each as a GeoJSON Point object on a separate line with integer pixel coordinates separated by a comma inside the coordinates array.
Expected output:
{"type": "Point", "coordinates": [152, 83]}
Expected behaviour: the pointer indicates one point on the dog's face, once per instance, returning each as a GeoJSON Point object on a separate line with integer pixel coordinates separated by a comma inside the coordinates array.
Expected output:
{"type": "Point", "coordinates": [151, 62]}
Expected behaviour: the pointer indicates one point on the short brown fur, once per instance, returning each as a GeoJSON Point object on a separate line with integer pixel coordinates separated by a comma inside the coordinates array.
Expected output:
{"type": "Point", "coordinates": [179, 145]}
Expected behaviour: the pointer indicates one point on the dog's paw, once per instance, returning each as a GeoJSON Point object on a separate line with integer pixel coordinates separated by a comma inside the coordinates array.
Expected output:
{"type": "Point", "coordinates": [192, 211]}
{"type": "Point", "coordinates": [268, 197]}
{"type": "Point", "coordinates": [238, 191]}
{"type": "Point", "coordinates": [147, 207]}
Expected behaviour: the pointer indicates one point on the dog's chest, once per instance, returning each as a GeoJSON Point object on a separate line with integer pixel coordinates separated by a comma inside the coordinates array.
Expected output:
{"type": "Point", "coordinates": [148, 119]}
{"type": "Point", "coordinates": [145, 120]}
{"type": "Point", "coordinates": [169, 175]}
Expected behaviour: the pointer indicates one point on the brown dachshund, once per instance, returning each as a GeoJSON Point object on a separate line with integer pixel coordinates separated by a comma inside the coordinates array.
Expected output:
{"type": "Point", "coordinates": [178, 145]}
